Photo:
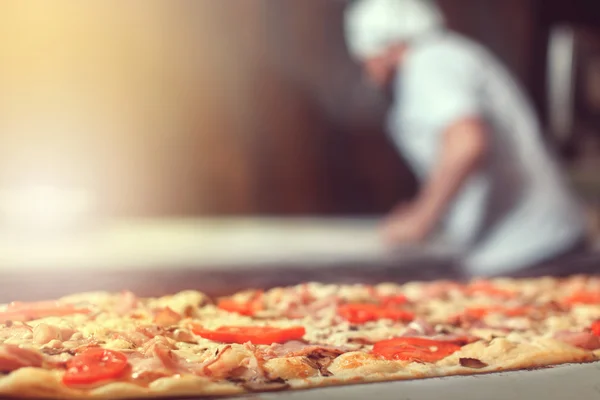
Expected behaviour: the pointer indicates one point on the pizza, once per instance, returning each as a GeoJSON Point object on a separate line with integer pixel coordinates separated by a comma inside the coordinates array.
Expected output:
{"type": "Point", "coordinates": [118, 346]}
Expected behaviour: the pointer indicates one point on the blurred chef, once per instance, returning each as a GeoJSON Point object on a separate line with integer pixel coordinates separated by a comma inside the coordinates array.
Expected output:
{"type": "Point", "coordinates": [488, 183]}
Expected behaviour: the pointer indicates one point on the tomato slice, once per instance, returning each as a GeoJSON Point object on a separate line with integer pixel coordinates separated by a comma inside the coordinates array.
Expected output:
{"type": "Point", "coordinates": [253, 334]}
{"type": "Point", "coordinates": [362, 313]}
{"type": "Point", "coordinates": [596, 328]}
{"type": "Point", "coordinates": [415, 349]}
{"type": "Point", "coordinates": [396, 300]}
{"type": "Point", "coordinates": [396, 314]}
{"type": "Point", "coordinates": [95, 365]}
{"type": "Point", "coordinates": [488, 289]}
{"type": "Point", "coordinates": [482, 312]}
{"type": "Point", "coordinates": [588, 298]}
{"type": "Point", "coordinates": [358, 313]}
{"type": "Point", "coordinates": [248, 308]}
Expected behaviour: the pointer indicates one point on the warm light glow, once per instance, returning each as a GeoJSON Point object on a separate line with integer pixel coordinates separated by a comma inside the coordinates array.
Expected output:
{"type": "Point", "coordinates": [43, 207]}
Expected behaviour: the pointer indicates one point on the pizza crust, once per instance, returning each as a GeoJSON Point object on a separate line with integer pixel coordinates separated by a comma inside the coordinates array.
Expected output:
{"type": "Point", "coordinates": [43, 384]}
{"type": "Point", "coordinates": [503, 355]}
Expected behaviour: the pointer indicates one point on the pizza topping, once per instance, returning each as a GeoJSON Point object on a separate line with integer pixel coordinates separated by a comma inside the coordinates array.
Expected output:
{"type": "Point", "coordinates": [440, 289]}
{"type": "Point", "coordinates": [415, 349]}
{"type": "Point", "coordinates": [146, 370]}
{"type": "Point", "coordinates": [460, 340]}
{"type": "Point", "coordinates": [44, 333]}
{"type": "Point", "coordinates": [420, 327]}
{"type": "Point", "coordinates": [136, 338]}
{"type": "Point", "coordinates": [596, 328]}
{"type": "Point", "coordinates": [14, 357]}
{"type": "Point", "coordinates": [95, 365]}
{"type": "Point", "coordinates": [472, 363]}
{"type": "Point", "coordinates": [583, 297]}
{"type": "Point", "coordinates": [482, 312]}
{"type": "Point", "coordinates": [319, 365]}
{"type": "Point", "coordinates": [393, 300]}
{"type": "Point", "coordinates": [127, 303]}
{"type": "Point", "coordinates": [299, 310]}
{"type": "Point", "coordinates": [151, 331]}
{"type": "Point", "coordinates": [584, 340]}
{"type": "Point", "coordinates": [216, 358]}
{"type": "Point", "coordinates": [180, 335]}
{"type": "Point", "coordinates": [166, 317]}
{"type": "Point", "coordinates": [253, 334]}
{"type": "Point", "coordinates": [184, 303]}
{"type": "Point", "coordinates": [162, 350]}
{"type": "Point", "coordinates": [362, 313]}
{"type": "Point", "coordinates": [250, 373]}
{"type": "Point", "coordinates": [486, 288]}
{"type": "Point", "coordinates": [554, 307]}
{"type": "Point", "coordinates": [297, 348]}
{"type": "Point", "coordinates": [250, 306]}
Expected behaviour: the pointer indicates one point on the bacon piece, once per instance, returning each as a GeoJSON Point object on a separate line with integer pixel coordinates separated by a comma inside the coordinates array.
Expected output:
{"type": "Point", "coordinates": [420, 327]}
{"type": "Point", "coordinates": [149, 346]}
{"type": "Point", "coordinates": [162, 350]}
{"type": "Point", "coordinates": [146, 370]}
{"type": "Point", "coordinates": [440, 289]}
{"type": "Point", "coordinates": [166, 317]}
{"type": "Point", "coordinates": [214, 360]}
{"type": "Point", "coordinates": [461, 340]}
{"type": "Point", "coordinates": [14, 357]}
{"type": "Point", "coordinates": [252, 376]}
{"type": "Point", "coordinates": [151, 331]}
{"type": "Point", "coordinates": [18, 330]}
{"type": "Point", "coordinates": [297, 310]}
{"type": "Point", "coordinates": [180, 335]}
{"type": "Point", "coordinates": [44, 333]}
{"type": "Point", "coordinates": [156, 359]}
{"type": "Point", "coordinates": [297, 348]}
{"type": "Point", "coordinates": [316, 356]}
{"type": "Point", "coordinates": [583, 340]}
{"type": "Point", "coordinates": [472, 363]}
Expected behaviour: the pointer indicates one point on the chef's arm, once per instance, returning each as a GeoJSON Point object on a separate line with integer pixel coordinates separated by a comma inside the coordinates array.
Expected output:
{"type": "Point", "coordinates": [462, 153]}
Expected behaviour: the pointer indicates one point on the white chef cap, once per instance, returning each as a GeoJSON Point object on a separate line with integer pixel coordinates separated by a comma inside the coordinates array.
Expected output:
{"type": "Point", "coordinates": [373, 25]}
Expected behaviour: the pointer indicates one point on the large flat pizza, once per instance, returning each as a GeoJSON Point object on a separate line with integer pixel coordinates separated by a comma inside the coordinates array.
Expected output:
{"type": "Point", "coordinates": [116, 345]}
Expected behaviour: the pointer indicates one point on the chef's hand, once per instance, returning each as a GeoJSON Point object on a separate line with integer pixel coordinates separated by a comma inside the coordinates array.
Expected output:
{"type": "Point", "coordinates": [408, 223]}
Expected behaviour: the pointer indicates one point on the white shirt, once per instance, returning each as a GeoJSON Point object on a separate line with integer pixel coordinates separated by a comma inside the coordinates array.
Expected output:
{"type": "Point", "coordinates": [517, 210]}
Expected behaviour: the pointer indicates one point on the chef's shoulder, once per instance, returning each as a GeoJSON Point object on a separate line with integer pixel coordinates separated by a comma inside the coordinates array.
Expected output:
{"type": "Point", "coordinates": [447, 53]}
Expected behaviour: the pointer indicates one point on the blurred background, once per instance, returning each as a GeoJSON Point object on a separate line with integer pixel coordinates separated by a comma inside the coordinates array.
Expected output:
{"type": "Point", "coordinates": [205, 108]}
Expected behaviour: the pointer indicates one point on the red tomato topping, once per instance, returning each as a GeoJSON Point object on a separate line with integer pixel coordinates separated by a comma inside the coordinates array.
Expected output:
{"type": "Point", "coordinates": [95, 365]}
{"type": "Point", "coordinates": [415, 349]}
{"type": "Point", "coordinates": [396, 300]}
{"type": "Point", "coordinates": [583, 298]}
{"type": "Point", "coordinates": [248, 308]}
{"type": "Point", "coordinates": [482, 312]}
{"type": "Point", "coordinates": [596, 328]}
{"type": "Point", "coordinates": [361, 313]}
{"type": "Point", "coordinates": [486, 288]}
{"type": "Point", "coordinates": [253, 334]}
